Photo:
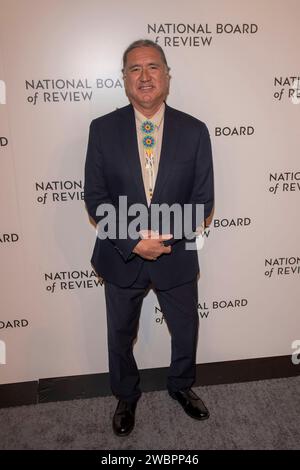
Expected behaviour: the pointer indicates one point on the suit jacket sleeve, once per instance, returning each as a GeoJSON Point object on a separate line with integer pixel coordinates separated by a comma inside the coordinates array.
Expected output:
{"type": "Point", "coordinates": [203, 187]}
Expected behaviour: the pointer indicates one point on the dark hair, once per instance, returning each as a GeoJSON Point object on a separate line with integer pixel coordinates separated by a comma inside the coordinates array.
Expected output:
{"type": "Point", "coordinates": [144, 43]}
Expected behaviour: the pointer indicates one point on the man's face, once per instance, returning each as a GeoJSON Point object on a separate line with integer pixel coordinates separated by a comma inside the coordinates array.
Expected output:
{"type": "Point", "coordinates": [146, 79]}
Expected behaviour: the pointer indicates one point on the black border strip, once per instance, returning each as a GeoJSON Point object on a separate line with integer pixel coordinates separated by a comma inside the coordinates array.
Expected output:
{"type": "Point", "coordinates": [94, 385]}
{"type": "Point", "coordinates": [23, 393]}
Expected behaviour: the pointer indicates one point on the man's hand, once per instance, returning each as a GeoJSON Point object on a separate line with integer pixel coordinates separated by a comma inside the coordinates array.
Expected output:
{"type": "Point", "coordinates": [152, 246]}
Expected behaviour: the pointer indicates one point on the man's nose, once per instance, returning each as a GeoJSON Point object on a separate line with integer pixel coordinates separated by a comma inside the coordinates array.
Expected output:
{"type": "Point", "coordinates": [145, 76]}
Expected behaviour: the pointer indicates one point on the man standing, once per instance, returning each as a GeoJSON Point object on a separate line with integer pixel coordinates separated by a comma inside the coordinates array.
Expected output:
{"type": "Point", "coordinates": [153, 155]}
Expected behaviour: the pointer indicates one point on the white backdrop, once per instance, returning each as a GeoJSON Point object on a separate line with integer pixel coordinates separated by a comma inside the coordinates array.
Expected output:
{"type": "Point", "coordinates": [233, 65]}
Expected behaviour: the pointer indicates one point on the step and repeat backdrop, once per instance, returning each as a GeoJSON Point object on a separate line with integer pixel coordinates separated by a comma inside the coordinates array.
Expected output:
{"type": "Point", "coordinates": [234, 65]}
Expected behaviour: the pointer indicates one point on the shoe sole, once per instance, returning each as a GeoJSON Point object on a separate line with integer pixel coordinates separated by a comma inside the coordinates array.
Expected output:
{"type": "Point", "coordinates": [194, 417]}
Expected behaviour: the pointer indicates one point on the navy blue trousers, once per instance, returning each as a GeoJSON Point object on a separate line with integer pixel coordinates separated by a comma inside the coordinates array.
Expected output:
{"type": "Point", "coordinates": [123, 306]}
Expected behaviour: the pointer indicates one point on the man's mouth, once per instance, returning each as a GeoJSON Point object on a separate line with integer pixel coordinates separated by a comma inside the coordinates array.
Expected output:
{"type": "Point", "coordinates": [146, 87]}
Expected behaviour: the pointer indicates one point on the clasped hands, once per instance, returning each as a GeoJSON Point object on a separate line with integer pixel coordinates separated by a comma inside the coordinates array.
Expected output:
{"type": "Point", "coordinates": [152, 245]}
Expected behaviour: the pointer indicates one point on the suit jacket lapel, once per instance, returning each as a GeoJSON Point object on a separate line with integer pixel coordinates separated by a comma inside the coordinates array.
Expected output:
{"type": "Point", "coordinates": [168, 152]}
{"type": "Point", "coordinates": [129, 145]}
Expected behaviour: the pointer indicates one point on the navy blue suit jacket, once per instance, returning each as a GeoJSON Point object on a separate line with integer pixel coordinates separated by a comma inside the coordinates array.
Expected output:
{"type": "Point", "coordinates": [113, 168]}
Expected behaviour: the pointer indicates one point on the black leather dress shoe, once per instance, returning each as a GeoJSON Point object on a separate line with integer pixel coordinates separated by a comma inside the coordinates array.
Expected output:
{"type": "Point", "coordinates": [191, 403]}
{"type": "Point", "coordinates": [123, 420]}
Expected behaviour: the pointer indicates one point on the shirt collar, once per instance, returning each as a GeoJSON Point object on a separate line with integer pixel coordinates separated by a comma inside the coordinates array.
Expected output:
{"type": "Point", "coordinates": [156, 118]}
